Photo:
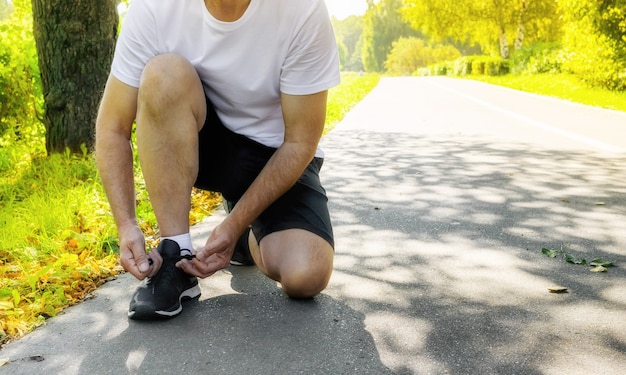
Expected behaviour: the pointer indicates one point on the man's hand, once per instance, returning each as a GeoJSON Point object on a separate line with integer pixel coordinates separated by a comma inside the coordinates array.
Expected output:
{"type": "Point", "coordinates": [133, 255]}
{"type": "Point", "coordinates": [215, 255]}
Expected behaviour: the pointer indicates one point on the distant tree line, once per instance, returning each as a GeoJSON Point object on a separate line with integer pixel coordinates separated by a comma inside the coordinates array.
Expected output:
{"type": "Point", "coordinates": [584, 37]}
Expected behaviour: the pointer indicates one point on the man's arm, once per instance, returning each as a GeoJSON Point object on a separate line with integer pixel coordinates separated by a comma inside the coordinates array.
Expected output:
{"type": "Point", "coordinates": [304, 122]}
{"type": "Point", "coordinates": [114, 157]}
{"type": "Point", "coordinates": [304, 117]}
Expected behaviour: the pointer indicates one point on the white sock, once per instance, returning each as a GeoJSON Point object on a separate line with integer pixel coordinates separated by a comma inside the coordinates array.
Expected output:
{"type": "Point", "coordinates": [183, 241]}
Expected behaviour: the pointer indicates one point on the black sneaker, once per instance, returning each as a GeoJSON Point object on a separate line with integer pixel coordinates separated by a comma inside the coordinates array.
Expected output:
{"type": "Point", "coordinates": [241, 256]}
{"type": "Point", "coordinates": [160, 296]}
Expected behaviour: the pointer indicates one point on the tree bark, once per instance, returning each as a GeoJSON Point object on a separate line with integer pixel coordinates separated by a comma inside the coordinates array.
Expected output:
{"type": "Point", "coordinates": [75, 44]}
{"type": "Point", "coordinates": [504, 44]}
{"type": "Point", "coordinates": [521, 29]}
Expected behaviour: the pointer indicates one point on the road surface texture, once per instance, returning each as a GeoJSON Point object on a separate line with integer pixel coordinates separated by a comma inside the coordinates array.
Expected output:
{"type": "Point", "coordinates": [443, 193]}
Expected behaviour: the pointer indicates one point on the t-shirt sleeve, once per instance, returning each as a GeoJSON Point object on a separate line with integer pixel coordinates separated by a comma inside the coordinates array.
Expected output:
{"type": "Point", "coordinates": [312, 63]}
{"type": "Point", "coordinates": [137, 43]}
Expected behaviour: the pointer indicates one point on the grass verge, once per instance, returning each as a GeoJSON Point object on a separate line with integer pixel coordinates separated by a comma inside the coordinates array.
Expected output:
{"type": "Point", "coordinates": [353, 88]}
{"type": "Point", "coordinates": [563, 86]}
{"type": "Point", "coordinates": [56, 242]}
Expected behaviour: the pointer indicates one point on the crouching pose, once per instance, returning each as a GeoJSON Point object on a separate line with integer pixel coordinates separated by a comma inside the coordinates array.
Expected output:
{"type": "Point", "coordinates": [228, 96]}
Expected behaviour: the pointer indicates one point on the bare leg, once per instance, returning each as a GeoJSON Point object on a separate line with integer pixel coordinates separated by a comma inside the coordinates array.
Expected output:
{"type": "Point", "coordinates": [300, 260]}
{"type": "Point", "coordinates": [171, 111]}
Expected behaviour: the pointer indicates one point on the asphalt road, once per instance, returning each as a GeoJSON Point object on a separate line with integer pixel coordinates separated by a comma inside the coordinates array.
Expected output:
{"type": "Point", "coordinates": [443, 193]}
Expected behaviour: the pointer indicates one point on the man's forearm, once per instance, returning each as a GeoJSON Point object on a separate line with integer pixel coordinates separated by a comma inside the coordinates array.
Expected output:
{"type": "Point", "coordinates": [304, 117]}
{"type": "Point", "coordinates": [279, 174]}
{"type": "Point", "coordinates": [114, 154]}
{"type": "Point", "coordinates": [115, 165]}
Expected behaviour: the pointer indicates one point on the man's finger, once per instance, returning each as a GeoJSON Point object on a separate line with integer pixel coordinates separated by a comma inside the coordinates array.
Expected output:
{"type": "Point", "coordinates": [143, 265]}
{"type": "Point", "coordinates": [203, 269]}
{"type": "Point", "coordinates": [156, 261]}
{"type": "Point", "coordinates": [130, 265]}
{"type": "Point", "coordinates": [190, 267]}
{"type": "Point", "coordinates": [205, 253]}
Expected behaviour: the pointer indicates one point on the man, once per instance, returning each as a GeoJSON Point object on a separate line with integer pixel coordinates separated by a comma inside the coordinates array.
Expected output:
{"type": "Point", "coordinates": [229, 96]}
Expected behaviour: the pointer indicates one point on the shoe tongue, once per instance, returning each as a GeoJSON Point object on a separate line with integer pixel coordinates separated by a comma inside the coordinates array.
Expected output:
{"type": "Point", "coordinates": [169, 249]}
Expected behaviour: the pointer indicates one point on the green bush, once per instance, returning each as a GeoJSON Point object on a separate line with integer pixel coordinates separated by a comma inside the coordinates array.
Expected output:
{"type": "Point", "coordinates": [538, 58]}
{"type": "Point", "coordinates": [496, 66]}
{"type": "Point", "coordinates": [480, 65]}
{"type": "Point", "coordinates": [423, 72]}
{"type": "Point", "coordinates": [442, 69]}
{"type": "Point", "coordinates": [410, 54]}
{"type": "Point", "coordinates": [463, 65]}
{"type": "Point", "coordinates": [20, 84]}
{"type": "Point", "coordinates": [595, 41]}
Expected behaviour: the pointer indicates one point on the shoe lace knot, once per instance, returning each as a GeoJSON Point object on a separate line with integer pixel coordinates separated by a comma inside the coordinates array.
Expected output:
{"type": "Point", "coordinates": [168, 271]}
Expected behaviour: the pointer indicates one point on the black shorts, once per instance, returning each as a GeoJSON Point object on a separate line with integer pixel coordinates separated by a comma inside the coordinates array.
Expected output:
{"type": "Point", "coordinates": [229, 163]}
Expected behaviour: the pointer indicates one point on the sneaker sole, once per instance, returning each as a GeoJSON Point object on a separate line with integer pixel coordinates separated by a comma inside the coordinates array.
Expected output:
{"type": "Point", "coordinates": [148, 314]}
{"type": "Point", "coordinates": [238, 263]}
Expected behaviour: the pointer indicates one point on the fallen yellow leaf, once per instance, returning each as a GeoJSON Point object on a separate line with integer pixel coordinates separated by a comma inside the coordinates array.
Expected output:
{"type": "Point", "coordinates": [557, 289]}
{"type": "Point", "coordinates": [599, 269]}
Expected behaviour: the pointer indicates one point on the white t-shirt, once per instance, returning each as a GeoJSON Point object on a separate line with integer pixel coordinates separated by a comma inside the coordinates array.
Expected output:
{"type": "Point", "coordinates": [276, 46]}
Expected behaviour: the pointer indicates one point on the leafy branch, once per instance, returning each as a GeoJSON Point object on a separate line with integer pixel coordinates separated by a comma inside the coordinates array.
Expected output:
{"type": "Point", "coordinates": [598, 264]}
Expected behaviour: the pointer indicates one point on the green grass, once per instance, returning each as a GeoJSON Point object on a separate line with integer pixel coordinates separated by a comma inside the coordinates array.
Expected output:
{"type": "Point", "coordinates": [563, 86]}
{"type": "Point", "coordinates": [58, 241]}
{"type": "Point", "coordinates": [55, 237]}
{"type": "Point", "coordinates": [342, 98]}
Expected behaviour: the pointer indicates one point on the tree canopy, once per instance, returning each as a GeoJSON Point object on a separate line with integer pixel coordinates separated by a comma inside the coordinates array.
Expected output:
{"type": "Point", "coordinates": [382, 25]}
{"type": "Point", "coordinates": [495, 25]}
{"type": "Point", "coordinates": [595, 41]}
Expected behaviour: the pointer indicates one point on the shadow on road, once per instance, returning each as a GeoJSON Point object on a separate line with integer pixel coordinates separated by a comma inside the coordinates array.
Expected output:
{"type": "Point", "coordinates": [260, 332]}
{"type": "Point", "coordinates": [252, 328]}
{"type": "Point", "coordinates": [439, 240]}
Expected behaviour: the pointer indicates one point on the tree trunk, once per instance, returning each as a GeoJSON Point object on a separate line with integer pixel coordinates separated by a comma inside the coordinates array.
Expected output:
{"type": "Point", "coordinates": [504, 45]}
{"type": "Point", "coordinates": [521, 29]}
{"type": "Point", "coordinates": [75, 44]}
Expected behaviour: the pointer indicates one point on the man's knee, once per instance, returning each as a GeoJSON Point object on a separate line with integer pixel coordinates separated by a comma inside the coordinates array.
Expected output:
{"type": "Point", "coordinates": [168, 77]}
{"type": "Point", "coordinates": [301, 261]}
{"type": "Point", "coordinates": [167, 69]}
{"type": "Point", "coordinates": [169, 82]}
{"type": "Point", "coordinates": [307, 279]}
{"type": "Point", "coordinates": [306, 282]}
